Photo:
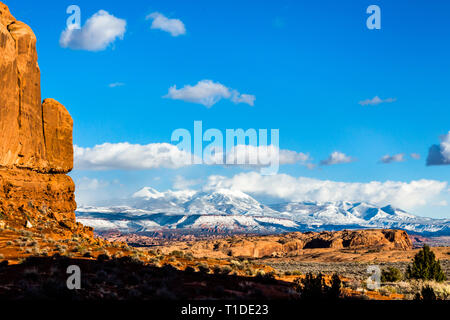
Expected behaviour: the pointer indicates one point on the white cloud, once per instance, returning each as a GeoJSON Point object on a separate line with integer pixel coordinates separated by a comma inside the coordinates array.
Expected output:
{"type": "Point", "coordinates": [91, 190]}
{"type": "Point", "coordinates": [336, 158]}
{"type": "Point", "coordinates": [264, 155]}
{"type": "Point", "coordinates": [236, 97]}
{"type": "Point", "coordinates": [376, 101]}
{"type": "Point", "coordinates": [440, 154]}
{"type": "Point", "coordinates": [395, 158]}
{"type": "Point", "coordinates": [208, 93]}
{"type": "Point", "coordinates": [182, 183]}
{"type": "Point", "coordinates": [174, 26]}
{"type": "Point", "coordinates": [116, 84]}
{"type": "Point", "coordinates": [126, 156]}
{"type": "Point", "coordinates": [88, 184]}
{"type": "Point", "coordinates": [415, 156]}
{"type": "Point", "coordinates": [100, 30]}
{"type": "Point", "coordinates": [405, 195]}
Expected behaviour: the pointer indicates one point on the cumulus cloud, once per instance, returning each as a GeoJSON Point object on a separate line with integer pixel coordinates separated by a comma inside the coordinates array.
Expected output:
{"type": "Point", "coordinates": [395, 158]}
{"type": "Point", "coordinates": [336, 158]}
{"type": "Point", "coordinates": [376, 101]}
{"type": "Point", "coordinates": [126, 156]}
{"type": "Point", "coordinates": [440, 154]}
{"type": "Point", "coordinates": [208, 93]}
{"type": "Point", "coordinates": [100, 30]}
{"type": "Point", "coordinates": [174, 26]}
{"type": "Point", "coordinates": [284, 187]}
{"type": "Point", "coordinates": [264, 155]}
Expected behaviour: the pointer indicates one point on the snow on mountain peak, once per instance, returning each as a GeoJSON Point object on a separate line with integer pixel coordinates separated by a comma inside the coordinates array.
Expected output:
{"type": "Point", "coordinates": [226, 208]}
{"type": "Point", "coordinates": [148, 192]}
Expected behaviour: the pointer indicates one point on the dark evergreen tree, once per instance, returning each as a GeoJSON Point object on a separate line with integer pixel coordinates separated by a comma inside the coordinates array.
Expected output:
{"type": "Point", "coordinates": [425, 266]}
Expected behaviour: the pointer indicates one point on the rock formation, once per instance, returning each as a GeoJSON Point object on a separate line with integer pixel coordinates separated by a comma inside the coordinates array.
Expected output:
{"type": "Point", "coordinates": [36, 150]}
{"type": "Point", "coordinates": [292, 244]}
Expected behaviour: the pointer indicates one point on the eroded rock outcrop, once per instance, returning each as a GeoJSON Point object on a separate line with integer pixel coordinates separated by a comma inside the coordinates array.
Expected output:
{"type": "Point", "coordinates": [36, 150]}
{"type": "Point", "coordinates": [295, 243]}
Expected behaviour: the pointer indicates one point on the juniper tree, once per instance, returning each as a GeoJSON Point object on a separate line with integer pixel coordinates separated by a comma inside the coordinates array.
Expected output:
{"type": "Point", "coordinates": [425, 266]}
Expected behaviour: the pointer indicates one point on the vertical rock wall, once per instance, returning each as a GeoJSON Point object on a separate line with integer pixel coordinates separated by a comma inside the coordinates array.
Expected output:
{"type": "Point", "coordinates": [36, 149]}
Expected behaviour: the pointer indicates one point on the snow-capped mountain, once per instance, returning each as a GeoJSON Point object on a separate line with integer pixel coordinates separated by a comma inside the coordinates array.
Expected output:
{"type": "Point", "coordinates": [228, 210]}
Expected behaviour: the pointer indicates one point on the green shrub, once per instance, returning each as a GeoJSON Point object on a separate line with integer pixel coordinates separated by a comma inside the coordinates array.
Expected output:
{"type": "Point", "coordinates": [203, 268]}
{"type": "Point", "coordinates": [425, 266]}
{"type": "Point", "coordinates": [177, 253]}
{"type": "Point", "coordinates": [226, 270]}
{"type": "Point", "coordinates": [391, 274]}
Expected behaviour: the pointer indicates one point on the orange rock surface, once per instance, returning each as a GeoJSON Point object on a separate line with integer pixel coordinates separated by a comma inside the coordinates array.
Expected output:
{"type": "Point", "coordinates": [297, 243]}
{"type": "Point", "coordinates": [36, 149]}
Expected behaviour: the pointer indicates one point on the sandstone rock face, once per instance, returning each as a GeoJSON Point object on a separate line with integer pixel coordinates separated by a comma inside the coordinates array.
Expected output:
{"type": "Point", "coordinates": [36, 149]}
{"type": "Point", "coordinates": [293, 244]}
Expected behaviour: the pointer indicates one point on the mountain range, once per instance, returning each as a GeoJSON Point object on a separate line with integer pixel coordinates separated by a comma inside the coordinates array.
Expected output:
{"type": "Point", "coordinates": [232, 211]}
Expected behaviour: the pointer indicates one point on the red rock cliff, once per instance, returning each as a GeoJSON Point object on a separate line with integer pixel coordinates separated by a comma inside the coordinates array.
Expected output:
{"type": "Point", "coordinates": [36, 149]}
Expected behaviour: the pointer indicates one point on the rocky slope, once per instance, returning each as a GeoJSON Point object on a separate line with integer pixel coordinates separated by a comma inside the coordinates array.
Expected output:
{"type": "Point", "coordinates": [36, 150]}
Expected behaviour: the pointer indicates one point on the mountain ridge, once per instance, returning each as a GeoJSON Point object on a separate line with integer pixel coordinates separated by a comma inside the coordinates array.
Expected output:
{"type": "Point", "coordinates": [232, 211]}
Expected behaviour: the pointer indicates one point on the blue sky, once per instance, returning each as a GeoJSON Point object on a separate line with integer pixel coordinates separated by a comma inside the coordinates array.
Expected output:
{"type": "Point", "coordinates": [308, 64]}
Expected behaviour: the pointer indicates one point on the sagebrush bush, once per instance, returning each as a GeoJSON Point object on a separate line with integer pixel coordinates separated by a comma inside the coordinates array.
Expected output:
{"type": "Point", "coordinates": [391, 274]}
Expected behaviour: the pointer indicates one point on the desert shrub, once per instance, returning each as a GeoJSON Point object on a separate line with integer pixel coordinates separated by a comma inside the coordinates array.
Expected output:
{"type": "Point", "coordinates": [222, 270]}
{"type": "Point", "coordinates": [387, 290]}
{"type": "Point", "coordinates": [2, 256]}
{"type": "Point", "coordinates": [391, 274]}
{"type": "Point", "coordinates": [287, 273]}
{"type": "Point", "coordinates": [264, 277]}
{"type": "Point", "coordinates": [203, 268]}
{"type": "Point", "coordinates": [249, 272]}
{"type": "Point", "coordinates": [103, 257]}
{"type": "Point", "coordinates": [80, 249]}
{"type": "Point", "coordinates": [425, 266]}
{"type": "Point", "coordinates": [177, 253]}
{"type": "Point", "coordinates": [226, 270]}
{"type": "Point", "coordinates": [189, 255]}
{"type": "Point", "coordinates": [235, 264]}
{"type": "Point", "coordinates": [313, 287]}
{"type": "Point", "coordinates": [426, 294]}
